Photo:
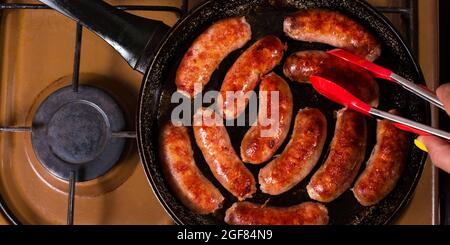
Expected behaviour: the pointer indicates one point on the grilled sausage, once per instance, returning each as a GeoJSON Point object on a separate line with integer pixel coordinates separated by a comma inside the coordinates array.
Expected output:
{"type": "Point", "coordinates": [300, 156]}
{"type": "Point", "coordinates": [384, 166]}
{"type": "Point", "coordinates": [246, 72]}
{"type": "Point", "coordinates": [246, 213]}
{"type": "Point", "coordinates": [347, 151]}
{"type": "Point", "coordinates": [208, 51]}
{"type": "Point", "coordinates": [256, 147]}
{"type": "Point", "coordinates": [333, 28]}
{"type": "Point", "coordinates": [188, 183]}
{"type": "Point", "coordinates": [301, 65]}
{"type": "Point", "coordinates": [215, 144]}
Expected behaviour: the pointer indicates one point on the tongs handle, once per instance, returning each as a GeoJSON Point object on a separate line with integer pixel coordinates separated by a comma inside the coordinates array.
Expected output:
{"type": "Point", "coordinates": [384, 73]}
{"type": "Point", "coordinates": [420, 91]}
{"type": "Point", "coordinates": [412, 130]}
{"type": "Point", "coordinates": [411, 126]}
{"type": "Point", "coordinates": [341, 96]}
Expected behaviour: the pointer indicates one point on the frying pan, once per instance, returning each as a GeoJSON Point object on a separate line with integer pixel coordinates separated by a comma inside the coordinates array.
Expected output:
{"type": "Point", "coordinates": [154, 49]}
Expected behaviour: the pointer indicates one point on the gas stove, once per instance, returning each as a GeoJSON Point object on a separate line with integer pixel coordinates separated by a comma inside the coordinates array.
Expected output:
{"type": "Point", "coordinates": [59, 77]}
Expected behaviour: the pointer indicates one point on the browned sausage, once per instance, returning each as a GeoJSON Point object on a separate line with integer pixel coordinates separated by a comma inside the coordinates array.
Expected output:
{"type": "Point", "coordinates": [301, 65]}
{"type": "Point", "coordinates": [257, 148]}
{"type": "Point", "coordinates": [385, 165]}
{"type": "Point", "coordinates": [246, 72]}
{"type": "Point", "coordinates": [300, 156]}
{"type": "Point", "coordinates": [246, 213]}
{"type": "Point", "coordinates": [215, 144]}
{"type": "Point", "coordinates": [333, 28]}
{"type": "Point", "coordinates": [347, 151]}
{"type": "Point", "coordinates": [208, 51]}
{"type": "Point", "coordinates": [188, 183]}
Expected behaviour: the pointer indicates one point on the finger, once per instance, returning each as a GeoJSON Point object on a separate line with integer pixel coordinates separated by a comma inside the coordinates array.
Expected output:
{"type": "Point", "coordinates": [439, 151]}
{"type": "Point", "coordinates": [443, 93]}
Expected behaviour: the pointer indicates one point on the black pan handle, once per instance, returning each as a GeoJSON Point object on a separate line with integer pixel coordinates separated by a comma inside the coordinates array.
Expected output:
{"type": "Point", "coordinates": [134, 37]}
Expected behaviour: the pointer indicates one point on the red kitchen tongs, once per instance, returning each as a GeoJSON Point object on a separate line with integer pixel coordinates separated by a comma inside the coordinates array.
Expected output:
{"type": "Point", "coordinates": [383, 73]}
{"type": "Point", "coordinates": [339, 95]}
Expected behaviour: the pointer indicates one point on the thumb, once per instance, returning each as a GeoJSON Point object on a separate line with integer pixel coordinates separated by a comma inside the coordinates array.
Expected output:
{"type": "Point", "coordinates": [443, 93]}
{"type": "Point", "coordinates": [439, 151]}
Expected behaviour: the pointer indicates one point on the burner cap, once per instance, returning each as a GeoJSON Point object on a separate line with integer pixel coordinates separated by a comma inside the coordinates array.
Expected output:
{"type": "Point", "coordinates": [72, 132]}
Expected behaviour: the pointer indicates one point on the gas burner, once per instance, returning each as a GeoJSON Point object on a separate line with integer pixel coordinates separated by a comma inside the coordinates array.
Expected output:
{"type": "Point", "coordinates": [73, 132]}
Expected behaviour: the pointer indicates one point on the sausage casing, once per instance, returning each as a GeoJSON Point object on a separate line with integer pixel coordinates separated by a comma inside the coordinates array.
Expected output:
{"type": "Point", "coordinates": [214, 142]}
{"type": "Point", "coordinates": [300, 156]}
{"type": "Point", "coordinates": [385, 165]}
{"type": "Point", "coordinates": [207, 52]}
{"type": "Point", "coordinates": [187, 181]}
{"type": "Point", "coordinates": [246, 73]}
{"type": "Point", "coordinates": [257, 148]}
{"type": "Point", "coordinates": [347, 151]}
{"type": "Point", "coordinates": [301, 65]}
{"type": "Point", "coordinates": [246, 213]}
{"type": "Point", "coordinates": [333, 28]}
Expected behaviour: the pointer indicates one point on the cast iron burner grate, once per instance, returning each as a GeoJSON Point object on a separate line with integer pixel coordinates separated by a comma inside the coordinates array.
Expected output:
{"type": "Point", "coordinates": [77, 132]}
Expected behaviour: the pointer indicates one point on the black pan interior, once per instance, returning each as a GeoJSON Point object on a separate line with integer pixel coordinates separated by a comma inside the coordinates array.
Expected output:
{"type": "Point", "coordinates": [266, 18]}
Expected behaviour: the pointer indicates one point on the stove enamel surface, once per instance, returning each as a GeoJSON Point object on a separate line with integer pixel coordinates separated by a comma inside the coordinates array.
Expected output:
{"type": "Point", "coordinates": [37, 62]}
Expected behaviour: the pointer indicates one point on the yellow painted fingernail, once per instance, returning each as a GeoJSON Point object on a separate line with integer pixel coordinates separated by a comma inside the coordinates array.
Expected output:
{"type": "Point", "coordinates": [420, 145]}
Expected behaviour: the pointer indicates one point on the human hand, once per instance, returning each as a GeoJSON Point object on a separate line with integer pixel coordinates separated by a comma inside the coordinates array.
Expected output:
{"type": "Point", "coordinates": [439, 149]}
